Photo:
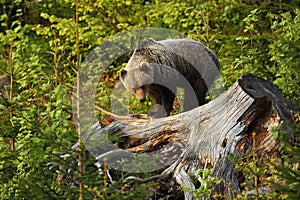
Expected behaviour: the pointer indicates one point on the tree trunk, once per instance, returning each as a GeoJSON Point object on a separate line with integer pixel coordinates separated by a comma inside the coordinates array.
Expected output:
{"type": "Point", "coordinates": [214, 136]}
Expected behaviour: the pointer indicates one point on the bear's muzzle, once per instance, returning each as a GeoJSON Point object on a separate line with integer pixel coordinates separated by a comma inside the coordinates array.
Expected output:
{"type": "Point", "coordinates": [140, 94]}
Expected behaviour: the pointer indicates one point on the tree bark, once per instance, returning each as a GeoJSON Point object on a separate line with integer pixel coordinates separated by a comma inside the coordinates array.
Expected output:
{"type": "Point", "coordinates": [214, 136]}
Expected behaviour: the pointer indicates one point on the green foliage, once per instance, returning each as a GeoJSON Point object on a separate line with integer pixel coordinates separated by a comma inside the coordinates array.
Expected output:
{"type": "Point", "coordinates": [207, 181]}
{"type": "Point", "coordinates": [255, 177]}
{"type": "Point", "coordinates": [271, 53]}
{"type": "Point", "coordinates": [288, 172]}
{"type": "Point", "coordinates": [280, 176]}
{"type": "Point", "coordinates": [284, 53]}
{"type": "Point", "coordinates": [38, 50]}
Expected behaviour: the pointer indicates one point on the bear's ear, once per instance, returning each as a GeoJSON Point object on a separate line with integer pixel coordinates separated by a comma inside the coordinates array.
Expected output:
{"type": "Point", "coordinates": [123, 73]}
{"type": "Point", "coordinates": [151, 41]}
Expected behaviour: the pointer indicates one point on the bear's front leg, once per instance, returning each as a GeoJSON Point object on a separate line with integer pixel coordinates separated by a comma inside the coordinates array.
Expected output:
{"type": "Point", "coordinates": [155, 94]}
{"type": "Point", "coordinates": [163, 99]}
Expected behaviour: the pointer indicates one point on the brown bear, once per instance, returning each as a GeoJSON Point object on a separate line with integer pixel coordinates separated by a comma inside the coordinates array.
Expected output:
{"type": "Point", "coordinates": [159, 67]}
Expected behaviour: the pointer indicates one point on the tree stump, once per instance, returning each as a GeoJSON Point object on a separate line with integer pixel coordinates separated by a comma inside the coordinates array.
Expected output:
{"type": "Point", "coordinates": [238, 121]}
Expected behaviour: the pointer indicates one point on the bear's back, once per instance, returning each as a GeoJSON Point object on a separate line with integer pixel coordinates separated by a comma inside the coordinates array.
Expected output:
{"type": "Point", "coordinates": [205, 61]}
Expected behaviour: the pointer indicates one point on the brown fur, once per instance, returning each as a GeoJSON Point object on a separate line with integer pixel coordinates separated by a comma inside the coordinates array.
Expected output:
{"type": "Point", "coordinates": [159, 67]}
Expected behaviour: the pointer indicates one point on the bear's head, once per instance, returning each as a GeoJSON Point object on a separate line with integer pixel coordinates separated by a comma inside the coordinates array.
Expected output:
{"type": "Point", "coordinates": [149, 51]}
{"type": "Point", "coordinates": [136, 80]}
{"type": "Point", "coordinates": [150, 63]}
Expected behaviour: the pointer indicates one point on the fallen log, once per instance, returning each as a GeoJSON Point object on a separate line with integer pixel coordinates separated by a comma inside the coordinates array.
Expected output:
{"type": "Point", "coordinates": [237, 122]}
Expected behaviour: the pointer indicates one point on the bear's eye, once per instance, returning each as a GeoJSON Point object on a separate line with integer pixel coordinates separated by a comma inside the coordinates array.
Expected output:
{"type": "Point", "coordinates": [123, 72]}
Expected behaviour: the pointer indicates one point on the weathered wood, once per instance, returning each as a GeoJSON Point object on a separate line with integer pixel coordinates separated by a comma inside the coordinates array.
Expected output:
{"type": "Point", "coordinates": [207, 136]}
